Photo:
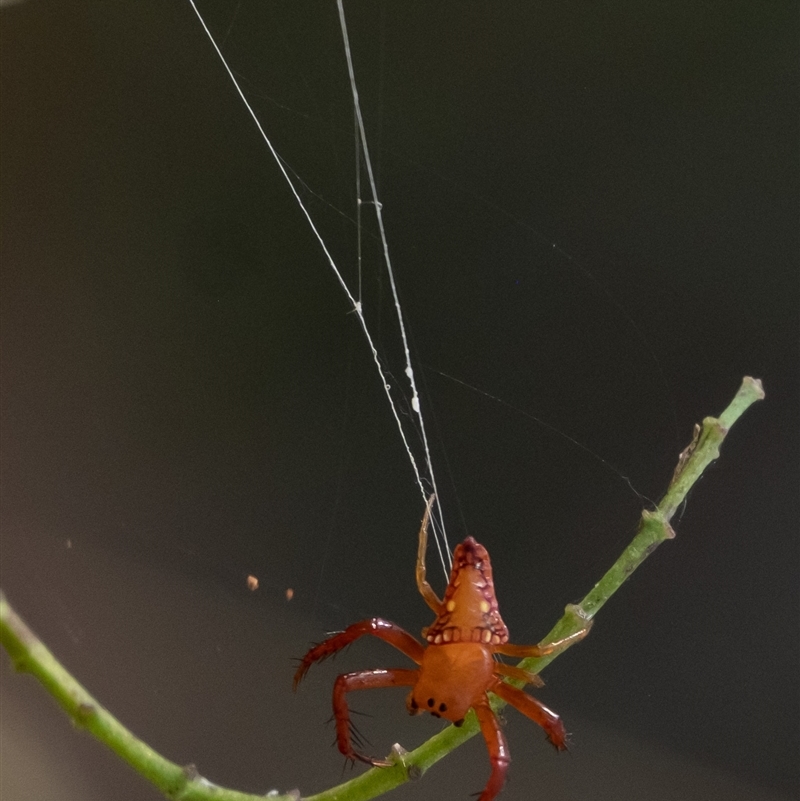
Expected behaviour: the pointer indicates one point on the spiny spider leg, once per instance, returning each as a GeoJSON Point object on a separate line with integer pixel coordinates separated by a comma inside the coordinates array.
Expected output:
{"type": "Point", "coordinates": [363, 680]}
{"type": "Point", "coordinates": [375, 627]}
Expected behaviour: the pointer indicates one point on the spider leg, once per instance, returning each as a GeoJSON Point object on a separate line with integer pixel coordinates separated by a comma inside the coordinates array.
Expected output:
{"type": "Point", "coordinates": [376, 627]}
{"type": "Point", "coordinates": [542, 650]}
{"type": "Point", "coordinates": [513, 672]}
{"type": "Point", "coordinates": [363, 680]}
{"type": "Point", "coordinates": [536, 711]}
{"type": "Point", "coordinates": [498, 750]}
{"type": "Point", "coordinates": [425, 589]}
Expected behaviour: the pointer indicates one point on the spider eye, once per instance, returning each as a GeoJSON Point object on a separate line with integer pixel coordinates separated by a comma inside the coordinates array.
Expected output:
{"type": "Point", "coordinates": [443, 707]}
{"type": "Point", "coordinates": [431, 702]}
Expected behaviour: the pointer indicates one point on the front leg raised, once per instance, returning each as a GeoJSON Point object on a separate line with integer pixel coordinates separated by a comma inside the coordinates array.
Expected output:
{"type": "Point", "coordinates": [375, 627]}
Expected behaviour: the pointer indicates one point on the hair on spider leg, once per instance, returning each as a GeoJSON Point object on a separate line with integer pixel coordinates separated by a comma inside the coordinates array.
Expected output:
{"type": "Point", "coordinates": [298, 660]}
{"type": "Point", "coordinates": [363, 714]}
{"type": "Point", "coordinates": [348, 762]}
{"type": "Point", "coordinates": [357, 737]}
{"type": "Point", "coordinates": [332, 718]}
{"type": "Point", "coordinates": [328, 635]}
{"type": "Point", "coordinates": [359, 741]}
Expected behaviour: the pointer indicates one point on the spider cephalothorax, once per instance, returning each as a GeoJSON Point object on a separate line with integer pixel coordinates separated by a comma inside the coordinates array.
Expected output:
{"type": "Point", "coordinates": [457, 668]}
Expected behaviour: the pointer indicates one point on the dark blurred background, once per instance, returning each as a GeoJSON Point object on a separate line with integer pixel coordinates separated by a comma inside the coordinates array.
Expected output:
{"type": "Point", "coordinates": [592, 212]}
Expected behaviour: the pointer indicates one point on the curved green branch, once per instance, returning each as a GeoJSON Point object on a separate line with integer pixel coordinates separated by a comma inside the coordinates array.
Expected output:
{"type": "Point", "coordinates": [30, 655]}
{"type": "Point", "coordinates": [183, 783]}
{"type": "Point", "coordinates": [654, 527]}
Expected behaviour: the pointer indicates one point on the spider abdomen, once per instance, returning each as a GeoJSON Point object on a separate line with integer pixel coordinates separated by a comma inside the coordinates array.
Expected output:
{"type": "Point", "coordinates": [452, 678]}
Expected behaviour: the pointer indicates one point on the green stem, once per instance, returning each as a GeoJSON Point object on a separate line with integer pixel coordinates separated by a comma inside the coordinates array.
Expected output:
{"type": "Point", "coordinates": [184, 784]}
{"type": "Point", "coordinates": [30, 655]}
{"type": "Point", "coordinates": [654, 527]}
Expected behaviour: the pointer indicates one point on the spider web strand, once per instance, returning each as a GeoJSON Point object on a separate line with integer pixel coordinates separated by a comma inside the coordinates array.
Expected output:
{"type": "Point", "coordinates": [356, 304]}
{"type": "Point", "coordinates": [441, 539]}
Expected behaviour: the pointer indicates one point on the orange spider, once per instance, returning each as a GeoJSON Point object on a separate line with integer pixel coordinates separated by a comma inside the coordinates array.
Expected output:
{"type": "Point", "coordinates": [457, 670]}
